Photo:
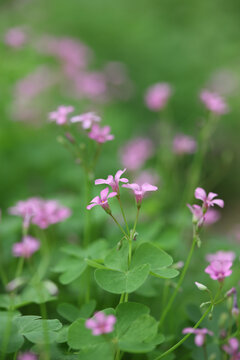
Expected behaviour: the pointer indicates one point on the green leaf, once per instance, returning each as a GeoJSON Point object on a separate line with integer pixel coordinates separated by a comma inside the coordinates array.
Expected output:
{"type": "Point", "coordinates": [131, 347]}
{"type": "Point", "coordinates": [118, 282]}
{"type": "Point", "coordinates": [10, 338]}
{"type": "Point", "coordinates": [148, 253]}
{"type": "Point", "coordinates": [72, 313]}
{"type": "Point", "coordinates": [79, 337]}
{"type": "Point", "coordinates": [37, 330]}
{"type": "Point", "coordinates": [118, 259]}
{"type": "Point", "coordinates": [144, 328]}
{"type": "Point", "coordinates": [70, 268]}
{"type": "Point", "coordinates": [104, 351]}
{"type": "Point", "coordinates": [127, 313]}
{"type": "Point", "coordinates": [165, 273]}
{"type": "Point", "coordinates": [62, 335]}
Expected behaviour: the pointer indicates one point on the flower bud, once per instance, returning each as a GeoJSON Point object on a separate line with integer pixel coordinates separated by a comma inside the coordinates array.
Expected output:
{"type": "Point", "coordinates": [201, 286]}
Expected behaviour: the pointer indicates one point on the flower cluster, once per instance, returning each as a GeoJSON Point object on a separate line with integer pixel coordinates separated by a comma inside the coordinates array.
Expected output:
{"type": "Point", "coordinates": [138, 190]}
{"type": "Point", "coordinates": [101, 323]}
{"type": "Point", "coordinates": [26, 247]}
{"type": "Point", "coordinates": [199, 212]}
{"type": "Point", "coordinates": [40, 212]}
{"type": "Point", "coordinates": [220, 265]}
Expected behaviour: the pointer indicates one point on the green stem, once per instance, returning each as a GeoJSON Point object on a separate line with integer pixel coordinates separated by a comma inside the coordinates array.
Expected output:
{"type": "Point", "coordinates": [120, 227]}
{"type": "Point", "coordinates": [174, 347]}
{"type": "Point", "coordinates": [87, 225]}
{"type": "Point", "coordinates": [132, 237]}
{"type": "Point", "coordinates": [170, 302]}
{"type": "Point", "coordinates": [123, 214]}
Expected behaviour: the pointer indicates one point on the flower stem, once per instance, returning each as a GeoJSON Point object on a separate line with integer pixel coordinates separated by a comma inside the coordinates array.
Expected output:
{"type": "Point", "coordinates": [174, 347]}
{"type": "Point", "coordinates": [120, 227]}
{"type": "Point", "coordinates": [123, 214]}
{"type": "Point", "coordinates": [170, 302]}
{"type": "Point", "coordinates": [87, 225]}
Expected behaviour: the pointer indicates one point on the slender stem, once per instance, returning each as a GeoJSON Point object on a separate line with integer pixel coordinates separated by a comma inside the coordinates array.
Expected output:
{"type": "Point", "coordinates": [123, 214]}
{"type": "Point", "coordinates": [120, 227]}
{"type": "Point", "coordinates": [87, 225]}
{"type": "Point", "coordinates": [19, 267]}
{"type": "Point", "coordinates": [174, 347]}
{"type": "Point", "coordinates": [132, 237]}
{"type": "Point", "coordinates": [170, 302]}
{"type": "Point", "coordinates": [122, 298]}
{"type": "Point", "coordinates": [205, 351]}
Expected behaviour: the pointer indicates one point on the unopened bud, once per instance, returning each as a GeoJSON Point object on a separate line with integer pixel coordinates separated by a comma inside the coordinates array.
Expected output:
{"type": "Point", "coordinates": [205, 304]}
{"type": "Point", "coordinates": [201, 286]}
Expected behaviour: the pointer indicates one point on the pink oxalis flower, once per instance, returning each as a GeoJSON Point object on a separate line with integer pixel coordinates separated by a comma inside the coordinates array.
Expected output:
{"type": "Point", "coordinates": [101, 323]}
{"type": "Point", "coordinates": [100, 135]}
{"type": "Point", "coordinates": [102, 200]}
{"type": "Point", "coordinates": [232, 348]}
{"type": "Point", "coordinates": [208, 200]}
{"type": "Point", "coordinates": [60, 116]}
{"type": "Point", "coordinates": [211, 217]}
{"type": "Point", "coordinates": [183, 144]}
{"type": "Point", "coordinates": [157, 96]}
{"type": "Point", "coordinates": [87, 119]}
{"type": "Point", "coordinates": [140, 190]}
{"type": "Point", "coordinates": [219, 270]}
{"type": "Point", "coordinates": [136, 152]}
{"type": "Point", "coordinates": [26, 248]}
{"type": "Point", "coordinates": [214, 102]}
{"type": "Point", "coordinates": [200, 334]}
{"type": "Point", "coordinates": [113, 181]}
{"type": "Point", "coordinates": [27, 356]}
{"type": "Point", "coordinates": [40, 212]}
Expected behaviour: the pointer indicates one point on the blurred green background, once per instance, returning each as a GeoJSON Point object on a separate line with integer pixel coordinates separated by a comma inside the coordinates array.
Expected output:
{"type": "Point", "coordinates": [181, 42]}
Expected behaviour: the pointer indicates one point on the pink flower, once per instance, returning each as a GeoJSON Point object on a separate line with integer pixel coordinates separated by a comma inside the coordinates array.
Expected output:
{"type": "Point", "coordinates": [101, 323]}
{"type": "Point", "coordinates": [15, 37]}
{"type": "Point", "coordinates": [218, 270]}
{"type": "Point", "coordinates": [140, 190]}
{"type": "Point", "coordinates": [211, 217]}
{"type": "Point", "coordinates": [40, 212]}
{"type": "Point", "coordinates": [214, 102]}
{"type": "Point", "coordinates": [200, 334]}
{"type": "Point", "coordinates": [92, 85]}
{"type": "Point", "coordinates": [102, 200]}
{"type": "Point", "coordinates": [208, 200]}
{"type": "Point", "coordinates": [232, 348]}
{"type": "Point", "coordinates": [113, 181]}
{"type": "Point", "coordinates": [198, 215]}
{"type": "Point", "coordinates": [27, 356]}
{"type": "Point", "coordinates": [221, 256]}
{"type": "Point", "coordinates": [157, 96]}
{"type": "Point", "coordinates": [183, 144]}
{"type": "Point", "coordinates": [60, 115]}
{"type": "Point", "coordinates": [136, 152]}
{"type": "Point", "coordinates": [26, 248]}
{"type": "Point", "coordinates": [101, 135]}
{"type": "Point", "coordinates": [87, 119]}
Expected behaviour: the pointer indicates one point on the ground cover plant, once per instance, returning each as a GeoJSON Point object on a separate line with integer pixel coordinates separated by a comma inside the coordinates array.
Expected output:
{"type": "Point", "coordinates": [113, 246]}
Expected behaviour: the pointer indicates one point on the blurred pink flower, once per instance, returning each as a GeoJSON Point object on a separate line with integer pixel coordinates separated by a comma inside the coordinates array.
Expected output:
{"type": "Point", "coordinates": [102, 200]}
{"type": "Point", "coordinates": [60, 115]}
{"type": "Point", "coordinates": [113, 181]}
{"type": "Point", "coordinates": [157, 96]}
{"type": "Point", "coordinates": [208, 200]}
{"type": "Point", "coordinates": [136, 152]}
{"type": "Point", "coordinates": [15, 37]}
{"type": "Point", "coordinates": [68, 50]}
{"type": "Point", "coordinates": [200, 334]}
{"type": "Point", "coordinates": [92, 85]}
{"type": "Point", "coordinates": [214, 102]}
{"type": "Point", "coordinates": [232, 348]}
{"type": "Point", "coordinates": [147, 176]}
{"type": "Point", "coordinates": [211, 216]}
{"type": "Point", "coordinates": [183, 144]}
{"type": "Point", "coordinates": [27, 356]}
{"type": "Point", "coordinates": [221, 256]}
{"type": "Point", "coordinates": [198, 215]}
{"type": "Point", "coordinates": [100, 135]}
{"type": "Point", "coordinates": [26, 248]}
{"type": "Point", "coordinates": [219, 270]}
{"type": "Point", "coordinates": [140, 190]}
{"type": "Point", "coordinates": [101, 323]}
{"type": "Point", "coordinates": [87, 119]}
{"type": "Point", "coordinates": [40, 212]}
